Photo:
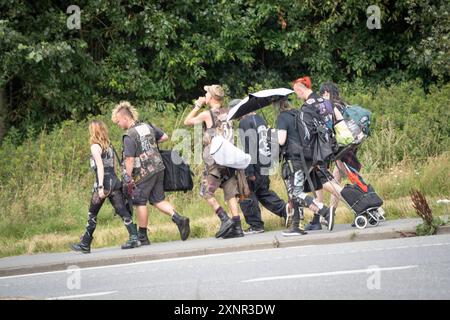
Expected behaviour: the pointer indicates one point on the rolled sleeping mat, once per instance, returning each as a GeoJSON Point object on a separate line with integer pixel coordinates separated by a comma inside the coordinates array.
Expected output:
{"type": "Point", "coordinates": [228, 155]}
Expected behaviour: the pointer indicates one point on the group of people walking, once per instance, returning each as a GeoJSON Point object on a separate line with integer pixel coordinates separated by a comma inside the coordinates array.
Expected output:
{"type": "Point", "coordinates": [143, 169]}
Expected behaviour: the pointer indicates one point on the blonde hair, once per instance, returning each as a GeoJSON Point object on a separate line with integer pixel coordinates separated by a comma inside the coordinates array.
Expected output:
{"type": "Point", "coordinates": [124, 107]}
{"type": "Point", "coordinates": [99, 134]}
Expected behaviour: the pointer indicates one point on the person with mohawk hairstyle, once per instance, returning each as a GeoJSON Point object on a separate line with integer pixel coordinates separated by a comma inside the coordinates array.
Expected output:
{"type": "Point", "coordinates": [144, 169]}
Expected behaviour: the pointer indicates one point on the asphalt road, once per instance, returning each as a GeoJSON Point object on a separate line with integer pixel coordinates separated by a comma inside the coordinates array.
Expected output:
{"type": "Point", "coordinates": [409, 268]}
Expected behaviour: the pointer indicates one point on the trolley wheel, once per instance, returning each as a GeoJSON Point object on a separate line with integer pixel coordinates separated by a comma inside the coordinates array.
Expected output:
{"type": "Point", "coordinates": [374, 218]}
{"type": "Point", "coordinates": [374, 222]}
{"type": "Point", "coordinates": [361, 222]}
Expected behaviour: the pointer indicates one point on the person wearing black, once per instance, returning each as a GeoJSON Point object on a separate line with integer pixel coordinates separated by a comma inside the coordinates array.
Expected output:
{"type": "Point", "coordinates": [329, 113]}
{"type": "Point", "coordinates": [293, 166]}
{"type": "Point", "coordinates": [106, 185]}
{"type": "Point", "coordinates": [144, 169]}
{"type": "Point", "coordinates": [330, 91]}
{"type": "Point", "coordinates": [253, 133]}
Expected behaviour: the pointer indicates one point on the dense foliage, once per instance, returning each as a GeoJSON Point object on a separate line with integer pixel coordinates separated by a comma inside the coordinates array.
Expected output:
{"type": "Point", "coordinates": [165, 51]}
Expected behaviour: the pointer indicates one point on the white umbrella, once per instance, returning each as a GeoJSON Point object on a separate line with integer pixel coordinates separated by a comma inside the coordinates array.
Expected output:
{"type": "Point", "coordinates": [256, 101]}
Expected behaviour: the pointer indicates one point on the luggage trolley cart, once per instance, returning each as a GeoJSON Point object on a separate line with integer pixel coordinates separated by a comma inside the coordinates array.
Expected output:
{"type": "Point", "coordinates": [362, 200]}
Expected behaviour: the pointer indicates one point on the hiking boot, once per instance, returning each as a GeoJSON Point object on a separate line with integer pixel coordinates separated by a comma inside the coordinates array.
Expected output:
{"type": "Point", "coordinates": [294, 231]}
{"type": "Point", "coordinates": [85, 244]}
{"type": "Point", "coordinates": [313, 226]}
{"type": "Point", "coordinates": [143, 238]}
{"type": "Point", "coordinates": [253, 230]}
{"type": "Point", "coordinates": [225, 226]}
{"type": "Point", "coordinates": [235, 231]}
{"type": "Point", "coordinates": [328, 214]}
{"type": "Point", "coordinates": [183, 226]}
{"type": "Point", "coordinates": [133, 241]}
{"type": "Point", "coordinates": [289, 214]}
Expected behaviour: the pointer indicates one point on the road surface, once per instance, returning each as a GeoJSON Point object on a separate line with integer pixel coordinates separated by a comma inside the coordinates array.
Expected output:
{"type": "Point", "coordinates": [408, 268]}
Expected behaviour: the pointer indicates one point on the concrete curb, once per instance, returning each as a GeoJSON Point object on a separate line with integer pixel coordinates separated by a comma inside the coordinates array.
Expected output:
{"type": "Point", "coordinates": [21, 265]}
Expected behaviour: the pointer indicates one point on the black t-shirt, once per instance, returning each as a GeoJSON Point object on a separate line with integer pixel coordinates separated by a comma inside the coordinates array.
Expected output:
{"type": "Point", "coordinates": [286, 121]}
{"type": "Point", "coordinates": [129, 147]}
{"type": "Point", "coordinates": [255, 141]}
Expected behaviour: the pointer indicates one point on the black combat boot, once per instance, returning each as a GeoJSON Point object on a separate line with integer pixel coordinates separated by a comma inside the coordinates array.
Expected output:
{"type": "Point", "coordinates": [133, 242]}
{"type": "Point", "coordinates": [142, 236]}
{"type": "Point", "coordinates": [84, 245]}
{"type": "Point", "coordinates": [183, 225]}
{"type": "Point", "coordinates": [236, 231]}
{"type": "Point", "coordinates": [225, 226]}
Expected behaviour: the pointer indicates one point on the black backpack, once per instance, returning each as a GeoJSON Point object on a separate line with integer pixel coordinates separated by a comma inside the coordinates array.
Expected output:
{"type": "Point", "coordinates": [177, 173]}
{"type": "Point", "coordinates": [316, 139]}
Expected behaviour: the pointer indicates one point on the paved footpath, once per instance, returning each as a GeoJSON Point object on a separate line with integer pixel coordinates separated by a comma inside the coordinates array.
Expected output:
{"type": "Point", "coordinates": [196, 247]}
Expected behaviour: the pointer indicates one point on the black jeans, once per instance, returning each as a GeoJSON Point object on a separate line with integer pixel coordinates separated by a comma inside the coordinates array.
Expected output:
{"type": "Point", "coordinates": [116, 199]}
{"type": "Point", "coordinates": [269, 199]}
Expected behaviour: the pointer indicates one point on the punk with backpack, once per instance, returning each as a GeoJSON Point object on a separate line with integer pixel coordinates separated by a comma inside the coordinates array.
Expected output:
{"type": "Point", "coordinates": [298, 170]}
{"type": "Point", "coordinates": [217, 176]}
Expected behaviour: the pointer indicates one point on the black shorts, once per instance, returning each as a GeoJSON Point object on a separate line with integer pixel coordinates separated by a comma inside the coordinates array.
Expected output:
{"type": "Point", "coordinates": [150, 189]}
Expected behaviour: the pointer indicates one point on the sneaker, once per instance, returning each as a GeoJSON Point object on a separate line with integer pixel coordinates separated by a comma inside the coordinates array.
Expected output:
{"type": "Point", "coordinates": [253, 230]}
{"type": "Point", "coordinates": [294, 231]}
{"type": "Point", "coordinates": [289, 214]}
{"type": "Point", "coordinates": [313, 226]}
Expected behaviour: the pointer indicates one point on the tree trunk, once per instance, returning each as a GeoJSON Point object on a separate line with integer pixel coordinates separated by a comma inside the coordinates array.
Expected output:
{"type": "Point", "coordinates": [3, 113]}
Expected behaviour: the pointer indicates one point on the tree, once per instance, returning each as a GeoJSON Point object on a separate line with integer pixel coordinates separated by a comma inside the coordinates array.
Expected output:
{"type": "Point", "coordinates": [167, 50]}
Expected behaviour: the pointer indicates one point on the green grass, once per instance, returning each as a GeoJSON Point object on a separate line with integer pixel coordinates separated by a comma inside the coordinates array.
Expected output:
{"type": "Point", "coordinates": [49, 222]}
{"type": "Point", "coordinates": [45, 181]}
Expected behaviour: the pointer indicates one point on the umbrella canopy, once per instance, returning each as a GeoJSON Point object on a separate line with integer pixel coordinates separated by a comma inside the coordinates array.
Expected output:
{"type": "Point", "coordinates": [256, 101]}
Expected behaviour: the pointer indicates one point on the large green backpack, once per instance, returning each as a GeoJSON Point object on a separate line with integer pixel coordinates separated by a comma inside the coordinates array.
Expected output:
{"type": "Point", "coordinates": [360, 116]}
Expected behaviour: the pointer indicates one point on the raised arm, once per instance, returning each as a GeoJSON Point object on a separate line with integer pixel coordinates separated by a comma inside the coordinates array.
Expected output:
{"type": "Point", "coordinates": [192, 118]}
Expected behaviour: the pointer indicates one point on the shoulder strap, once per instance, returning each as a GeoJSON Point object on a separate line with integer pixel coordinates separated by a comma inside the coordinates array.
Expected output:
{"type": "Point", "coordinates": [212, 119]}
{"type": "Point", "coordinates": [115, 152]}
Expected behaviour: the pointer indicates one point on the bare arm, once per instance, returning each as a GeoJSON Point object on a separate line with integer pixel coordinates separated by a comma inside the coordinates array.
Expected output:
{"type": "Point", "coordinates": [96, 152]}
{"type": "Point", "coordinates": [338, 115]}
{"type": "Point", "coordinates": [282, 136]}
{"type": "Point", "coordinates": [129, 163]}
{"type": "Point", "coordinates": [192, 118]}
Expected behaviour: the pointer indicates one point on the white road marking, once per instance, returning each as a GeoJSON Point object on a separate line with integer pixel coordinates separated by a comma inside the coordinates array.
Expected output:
{"type": "Point", "coordinates": [137, 263]}
{"type": "Point", "coordinates": [83, 295]}
{"type": "Point", "coordinates": [207, 256]}
{"type": "Point", "coordinates": [323, 274]}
